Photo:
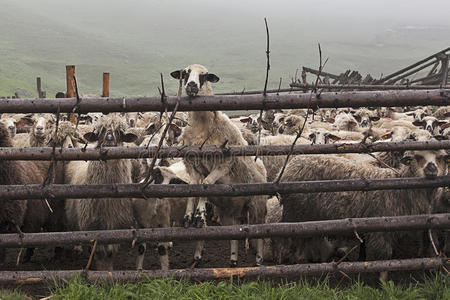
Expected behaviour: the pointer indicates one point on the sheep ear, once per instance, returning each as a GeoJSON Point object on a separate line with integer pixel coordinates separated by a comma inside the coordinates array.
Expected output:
{"type": "Point", "coordinates": [90, 137]}
{"type": "Point", "coordinates": [446, 125]}
{"type": "Point", "coordinates": [176, 74]}
{"type": "Point", "coordinates": [333, 137]}
{"type": "Point", "coordinates": [176, 129]}
{"type": "Point", "coordinates": [357, 118]}
{"type": "Point", "coordinates": [27, 120]}
{"type": "Point", "coordinates": [312, 135]}
{"type": "Point", "coordinates": [417, 123]}
{"type": "Point", "coordinates": [212, 78]}
{"type": "Point", "coordinates": [150, 129]}
{"type": "Point", "coordinates": [374, 118]}
{"type": "Point", "coordinates": [245, 120]}
{"type": "Point", "coordinates": [157, 176]}
{"type": "Point", "coordinates": [129, 137]}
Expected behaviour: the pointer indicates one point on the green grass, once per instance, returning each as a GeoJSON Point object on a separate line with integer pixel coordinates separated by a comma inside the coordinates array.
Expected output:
{"type": "Point", "coordinates": [436, 287]}
{"type": "Point", "coordinates": [12, 295]}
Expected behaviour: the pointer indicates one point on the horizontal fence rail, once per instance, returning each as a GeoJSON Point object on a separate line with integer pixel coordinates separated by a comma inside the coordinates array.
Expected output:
{"type": "Point", "coordinates": [438, 97]}
{"type": "Point", "coordinates": [46, 153]}
{"type": "Point", "coordinates": [285, 271]}
{"type": "Point", "coordinates": [236, 232]}
{"type": "Point", "coordinates": [373, 87]}
{"type": "Point", "coordinates": [71, 191]}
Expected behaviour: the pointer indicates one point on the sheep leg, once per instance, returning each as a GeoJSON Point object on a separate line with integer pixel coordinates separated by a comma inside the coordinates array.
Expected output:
{"type": "Point", "coordinates": [199, 245]}
{"type": "Point", "coordinates": [234, 253]}
{"type": "Point", "coordinates": [259, 251]}
{"type": "Point", "coordinates": [164, 255]}
{"type": "Point", "coordinates": [140, 257]}
{"type": "Point", "coordinates": [200, 214]}
{"type": "Point", "coordinates": [187, 220]}
{"type": "Point", "coordinates": [188, 216]}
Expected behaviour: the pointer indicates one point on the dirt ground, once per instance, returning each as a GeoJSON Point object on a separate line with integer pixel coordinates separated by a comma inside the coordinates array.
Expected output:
{"type": "Point", "coordinates": [216, 254]}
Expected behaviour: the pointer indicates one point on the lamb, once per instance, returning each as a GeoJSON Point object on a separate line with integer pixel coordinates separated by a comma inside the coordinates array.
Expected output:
{"type": "Point", "coordinates": [215, 128]}
{"type": "Point", "coordinates": [325, 206]}
{"type": "Point", "coordinates": [103, 213]}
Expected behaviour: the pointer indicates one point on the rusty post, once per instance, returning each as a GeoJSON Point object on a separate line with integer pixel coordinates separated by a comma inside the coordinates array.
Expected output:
{"type": "Point", "coordinates": [105, 92]}
{"type": "Point", "coordinates": [70, 92]}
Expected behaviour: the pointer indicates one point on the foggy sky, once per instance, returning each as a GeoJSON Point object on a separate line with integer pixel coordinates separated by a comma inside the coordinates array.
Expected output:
{"type": "Point", "coordinates": [369, 36]}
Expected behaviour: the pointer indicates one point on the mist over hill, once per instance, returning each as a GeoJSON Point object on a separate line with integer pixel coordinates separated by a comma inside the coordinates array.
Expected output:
{"type": "Point", "coordinates": [137, 40]}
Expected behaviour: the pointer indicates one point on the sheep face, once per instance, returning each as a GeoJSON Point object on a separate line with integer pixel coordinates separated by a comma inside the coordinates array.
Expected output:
{"type": "Point", "coordinates": [321, 137]}
{"type": "Point", "coordinates": [11, 126]}
{"type": "Point", "coordinates": [426, 163]}
{"type": "Point", "coordinates": [345, 121]}
{"type": "Point", "coordinates": [110, 132]}
{"type": "Point", "coordinates": [250, 123]}
{"type": "Point", "coordinates": [194, 77]}
{"type": "Point", "coordinates": [365, 117]}
{"type": "Point", "coordinates": [42, 124]}
{"type": "Point", "coordinates": [291, 125]}
{"type": "Point", "coordinates": [429, 123]}
{"type": "Point", "coordinates": [418, 114]}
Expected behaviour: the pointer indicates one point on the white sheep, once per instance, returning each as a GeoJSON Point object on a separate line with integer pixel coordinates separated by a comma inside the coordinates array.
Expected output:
{"type": "Point", "coordinates": [215, 128]}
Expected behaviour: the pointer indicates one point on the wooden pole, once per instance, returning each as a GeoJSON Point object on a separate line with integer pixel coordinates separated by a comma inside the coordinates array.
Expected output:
{"type": "Point", "coordinates": [398, 98]}
{"type": "Point", "coordinates": [233, 232]}
{"type": "Point", "coordinates": [105, 92]}
{"type": "Point", "coordinates": [39, 87]}
{"type": "Point", "coordinates": [116, 190]}
{"type": "Point", "coordinates": [202, 274]}
{"type": "Point", "coordinates": [70, 93]}
{"type": "Point", "coordinates": [445, 70]}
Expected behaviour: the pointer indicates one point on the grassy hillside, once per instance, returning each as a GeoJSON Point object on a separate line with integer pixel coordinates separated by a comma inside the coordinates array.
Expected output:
{"type": "Point", "coordinates": [136, 41]}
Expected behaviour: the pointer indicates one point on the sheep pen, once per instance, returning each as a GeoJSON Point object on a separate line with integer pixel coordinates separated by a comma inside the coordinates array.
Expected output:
{"type": "Point", "coordinates": [181, 252]}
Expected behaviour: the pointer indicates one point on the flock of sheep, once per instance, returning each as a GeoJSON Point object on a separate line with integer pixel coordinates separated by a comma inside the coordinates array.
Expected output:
{"type": "Point", "coordinates": [215, 128]}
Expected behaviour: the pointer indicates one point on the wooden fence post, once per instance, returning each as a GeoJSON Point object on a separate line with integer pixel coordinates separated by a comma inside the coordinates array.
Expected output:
{"type": "Point", "coordinates": [70, 74]}
{"type": "Point", "coordinates": [445, 70]}
{"type": "Point", "coordinates": [105, 92]}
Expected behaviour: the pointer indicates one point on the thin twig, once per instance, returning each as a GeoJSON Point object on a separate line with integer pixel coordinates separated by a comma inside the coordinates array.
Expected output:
{"type": "Point", "coordinates": [91, 256]}
{"type": "Point", "coordinates": [147, 179]}
{"type": "Point", "coordinates": [430, 236]}
{"type": "Point", "coordinates": [346, 255]}
{"type": "Point", "coordinates": [299, 133]}
{"type": "Point", "coordinates": [19, 255]}
{"type": "Point", "coordinates": [265, 84]}
{"type": "Point", "coordinates": [279, 85]}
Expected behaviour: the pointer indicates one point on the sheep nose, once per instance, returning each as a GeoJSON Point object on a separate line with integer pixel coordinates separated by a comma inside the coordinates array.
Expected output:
{"type": "Point", "coordinates": [281, 129]}
{"type": "Point", "coordinates": [11, 127]}
{"type": "Point", "coordinates": [191, 84]}
{"type": "Point", "coordinates": [39, 129]}
{"type": "Point", "coordinates": [364, 123]}
{"type": "Point", "coordinates": [431, 170]}
{"type": "Point", "coordinates": [429, 128]}
{"type": "Point", "coordinates": [131, 123]}
{"type": "Point", "coordinates": [109, 137]}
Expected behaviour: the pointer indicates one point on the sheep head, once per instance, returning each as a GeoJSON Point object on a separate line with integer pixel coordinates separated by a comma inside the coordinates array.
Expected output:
{"type": "Point", "coordinates": [110, 131]}
{"type": "Point", "coordinates": [426, 163]}
{"type": "Point", "coordinates": [194, 76]}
